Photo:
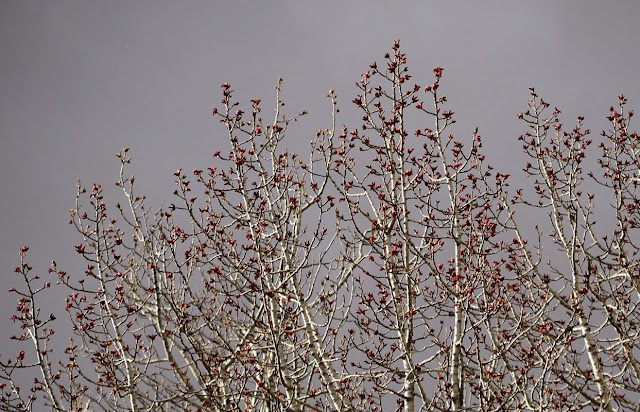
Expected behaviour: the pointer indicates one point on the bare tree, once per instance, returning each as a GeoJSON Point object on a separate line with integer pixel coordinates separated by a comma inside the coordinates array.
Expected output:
{"type": "Point", "coordinates": [387, 268]}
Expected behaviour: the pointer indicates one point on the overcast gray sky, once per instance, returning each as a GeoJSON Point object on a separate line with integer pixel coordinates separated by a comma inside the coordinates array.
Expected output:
{"type": "Point", "coordinates": [80, 80]}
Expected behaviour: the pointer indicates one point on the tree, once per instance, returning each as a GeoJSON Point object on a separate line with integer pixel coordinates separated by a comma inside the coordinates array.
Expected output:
{"type": "Point", "coordinates": [384, 269]}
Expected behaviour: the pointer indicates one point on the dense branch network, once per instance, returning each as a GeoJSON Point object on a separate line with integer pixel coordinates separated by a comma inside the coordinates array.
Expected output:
{"type": "Point", "coordinates": [387, 268]}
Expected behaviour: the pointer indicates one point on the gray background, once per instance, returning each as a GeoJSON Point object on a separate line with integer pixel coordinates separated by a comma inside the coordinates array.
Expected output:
{"type": "Point", "coordinates": [80, 80]}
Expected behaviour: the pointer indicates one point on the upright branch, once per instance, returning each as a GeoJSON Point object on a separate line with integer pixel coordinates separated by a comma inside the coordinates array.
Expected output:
{"type": "Point", "coordinates": [593, 291]}
{"type": "Point", "coordinates": [424, 210]}
{"type": "Point", "coordinates": [37, 329]}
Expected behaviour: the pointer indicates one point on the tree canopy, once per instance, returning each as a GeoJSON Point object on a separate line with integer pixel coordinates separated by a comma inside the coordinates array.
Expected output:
{"type": "Point", "coordinates": [386, 268]}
